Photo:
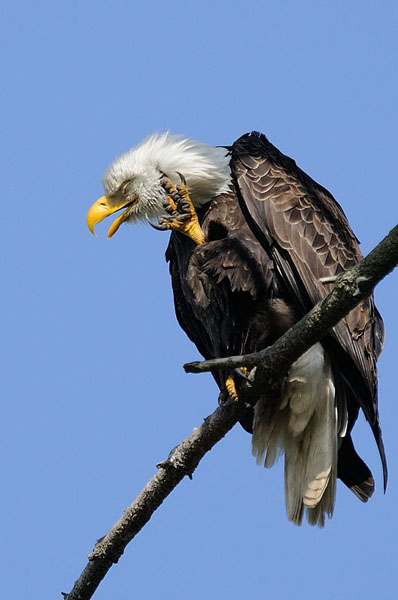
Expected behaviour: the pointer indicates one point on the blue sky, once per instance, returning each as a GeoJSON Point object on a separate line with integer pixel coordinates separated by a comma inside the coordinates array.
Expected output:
{"type": "Point", "coordinates": [94, 391]}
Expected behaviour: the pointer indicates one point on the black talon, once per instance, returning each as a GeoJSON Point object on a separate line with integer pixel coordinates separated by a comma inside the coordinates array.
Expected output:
{"type": "Point", "coordinates": [183, 180]}
{"type": "Point", "coordinates": [158, 227]}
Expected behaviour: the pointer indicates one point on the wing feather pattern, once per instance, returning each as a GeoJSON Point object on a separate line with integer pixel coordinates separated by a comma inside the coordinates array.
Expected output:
{"type": "Point", "coordinates": [307, 235]}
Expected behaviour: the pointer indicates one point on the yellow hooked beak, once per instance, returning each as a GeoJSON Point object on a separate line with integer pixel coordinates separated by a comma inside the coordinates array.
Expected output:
{"type": "Point", "coordinates": [102, 209]}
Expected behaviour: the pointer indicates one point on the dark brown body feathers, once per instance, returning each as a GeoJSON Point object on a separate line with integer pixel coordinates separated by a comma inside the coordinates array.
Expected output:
{"type": "Point", "coordinates": [269, 242]}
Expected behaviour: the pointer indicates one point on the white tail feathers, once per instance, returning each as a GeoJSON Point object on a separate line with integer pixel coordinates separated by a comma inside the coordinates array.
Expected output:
{"type": "Point", "coordinates": [303, 426]}
{"type": "Point", "coordinates": [315, 488]}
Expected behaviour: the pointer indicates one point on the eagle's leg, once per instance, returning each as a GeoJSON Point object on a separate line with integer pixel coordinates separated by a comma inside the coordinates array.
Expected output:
{"type": "Point", "coordinates": [230, 390]}
{"type": "Point", "coordinates": [183, 217]}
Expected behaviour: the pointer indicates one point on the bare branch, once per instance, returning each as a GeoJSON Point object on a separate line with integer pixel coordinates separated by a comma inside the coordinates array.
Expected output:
{"type": "Point", "coordinates": [350, 289]}
{"type": "Point", "coordinates": [183, 460]}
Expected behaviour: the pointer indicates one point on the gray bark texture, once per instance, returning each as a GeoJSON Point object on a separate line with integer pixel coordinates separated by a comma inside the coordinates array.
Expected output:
{"type": "Point", "coordinates": [272, 363]}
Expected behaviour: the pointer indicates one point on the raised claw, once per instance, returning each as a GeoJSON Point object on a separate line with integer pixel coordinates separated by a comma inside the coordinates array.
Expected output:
{"type": "Point", "coordinates": [181, 214]}
{"type": "Point", "coordinates": [181, 176]}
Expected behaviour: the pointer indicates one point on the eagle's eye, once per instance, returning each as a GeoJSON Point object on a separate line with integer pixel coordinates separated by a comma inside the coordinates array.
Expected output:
{"type": "Point", "coordinates": [124, 188]}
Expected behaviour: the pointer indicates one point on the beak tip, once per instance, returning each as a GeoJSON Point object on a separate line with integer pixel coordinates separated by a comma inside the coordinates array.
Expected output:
{"type": "Point", "coordinates": [91, 228]}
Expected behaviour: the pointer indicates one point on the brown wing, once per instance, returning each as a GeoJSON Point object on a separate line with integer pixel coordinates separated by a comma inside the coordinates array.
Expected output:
{"type": "Point", "coordinates": [306, 233]}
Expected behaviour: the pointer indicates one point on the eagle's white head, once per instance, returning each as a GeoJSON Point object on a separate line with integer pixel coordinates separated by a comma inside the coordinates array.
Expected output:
{"type": "Point", "coordinates": [132, 181]}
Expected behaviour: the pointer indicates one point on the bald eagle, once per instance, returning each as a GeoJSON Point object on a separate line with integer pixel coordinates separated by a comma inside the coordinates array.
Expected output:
{"type": "Point", "coordinates": [255, 243]}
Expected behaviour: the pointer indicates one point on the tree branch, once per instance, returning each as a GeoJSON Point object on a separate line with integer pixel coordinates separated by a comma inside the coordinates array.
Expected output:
{"type": "Point", "coordinates": [182, 460]}
{"type": "Point", "coordinates": [350, 289]}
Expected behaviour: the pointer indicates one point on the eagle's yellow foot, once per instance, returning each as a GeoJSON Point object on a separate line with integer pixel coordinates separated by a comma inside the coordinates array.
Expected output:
{"type": "Point", "coordinates": [183, 217]}
{"type": "Point", "coordinates": [230, 390]}
{"type": "Point", "coordinates": [230, 386]}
